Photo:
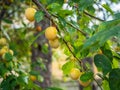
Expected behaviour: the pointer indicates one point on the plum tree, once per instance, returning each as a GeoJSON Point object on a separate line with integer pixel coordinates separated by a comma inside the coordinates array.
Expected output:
{"type": "Point", "coordinates": [81, 31]}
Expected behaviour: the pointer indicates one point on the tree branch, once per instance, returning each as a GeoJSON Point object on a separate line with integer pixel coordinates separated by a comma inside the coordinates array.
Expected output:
{"type": "Point", "coordinates": [86, 13]}
{"type": "Point", "coordinates": [40, 6]}
{"type": "Point", "coordinates": [70, 50]}
{"type": "Point", "coordinates": [80, 62]}
{"type": "Point", "coordinates": [85, 34]}
{"type": "Point", "coordinates": [92, 16]}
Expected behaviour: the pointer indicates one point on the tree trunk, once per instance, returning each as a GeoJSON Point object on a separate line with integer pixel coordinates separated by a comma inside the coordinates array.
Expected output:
{"type": "Point", "coordinates": [46, 57]}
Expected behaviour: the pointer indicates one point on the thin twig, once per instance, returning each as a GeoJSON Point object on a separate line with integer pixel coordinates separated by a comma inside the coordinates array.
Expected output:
{"type": "Point", "coordinates": [85, 34]}
{"type": "Point", "coordinates": [70, 49]}
{"type": "Point", "coordinates": [86, 13]}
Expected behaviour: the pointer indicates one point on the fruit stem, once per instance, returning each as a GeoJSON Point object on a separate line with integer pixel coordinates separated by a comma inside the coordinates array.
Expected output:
{"type": "Point", "coordinates": [30, 3]}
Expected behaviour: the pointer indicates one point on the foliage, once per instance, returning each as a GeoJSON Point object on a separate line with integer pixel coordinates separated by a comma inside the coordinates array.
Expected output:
{"type": "Point", "coordinates": [102, 63]}
{"type": "Point", "coordinates": [114, 77]}
{"type": "Point", "coordinates": [81, 33]}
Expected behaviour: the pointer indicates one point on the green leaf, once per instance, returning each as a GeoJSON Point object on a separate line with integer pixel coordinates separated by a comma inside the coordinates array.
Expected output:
{"type": "Point", "coordinates": [116, 56]}
{"type": "Point", "coordinates": [54, 7]}
{"type": "Point", "coordinates": [109, 55]}
{"type": "Point", "coordinates": [8, 57]}
{"type": "Point", "coordinates": [45, 49]}
{"type": "Point", "coordinates": [9, 83]}
{"type": "Point", "coordinates": [5, 85]}
{"type": "Point", "coordinates": [22, 79]}
{"type": "Point", "coordinates": [107, 8]}
{"type": "Point", "coordinates": [114, 79]}
{"type": "Point", "coordinates": [71, 31]}
{"type": "Point", "coordinates": [108, 24]}
{"type": "Point", "coordinates": [98, 39]}
{"type": "Point", "coordinates": [62, 21]}
{"type": "Point", "coordinates": [6, 34]}
{"type": "Point", "coordinates": [31, 41]}
{"type": "Point", "coordinates": [39, 15]}
{"type": "Point", "coordinates": [3, 69]}
{"type": "Point", "coordinates": [7, 21]}
{"type": "Point", "coordinates": [107, 52]}
{"type": "Point", "coordinates": [40, 78]}
{"type": "Point", "coordinates": [83, 54]}
{"type": "Point", "coordinates": [33, 72]}
{"type": "Point", "coordinates": [83, 4]}
{"type": "Point", "coordinates": [66, 51]}
{"type": "Point", "coordinates": [86, 76]}
{"type": "Point", "coordinates": [105, 85]}
{"type": "Point", "coordinates": [76, 1]}
{"type": "Point", "coordinates": [36, 87]}
{"type": "Point", "coordinates": [116, 16]}
{"type": "Point", "coordinates": [67, 67]}
{"type": "Point", "coordinates": [55, 1]}
{"type": "Point", "coordinates": [64, 13]}
{"type": "Point", "coordinates": [53, 88]}
{"type": "Point", "coordinates": [102, 63]}
{"type": "Point", "coordinates": [115, 63]}
{"type": "Point", "coordinates": [10, 66]}
{"type": "Point", "coordinates": [43, 1]}
{"type": "Point", "coordinates": [91, 10]}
